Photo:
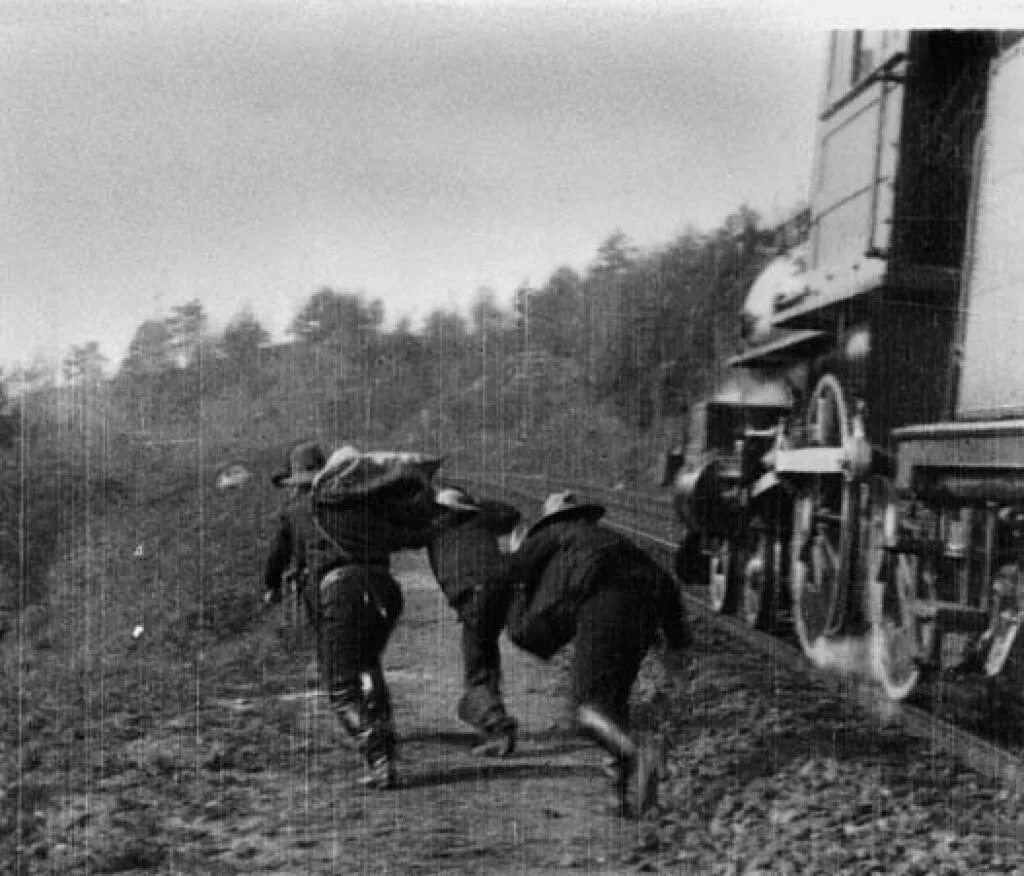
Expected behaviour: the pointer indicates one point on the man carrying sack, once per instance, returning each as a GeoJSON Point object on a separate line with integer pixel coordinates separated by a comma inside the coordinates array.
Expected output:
{"type": "Point", "coordinates": [342, 520]}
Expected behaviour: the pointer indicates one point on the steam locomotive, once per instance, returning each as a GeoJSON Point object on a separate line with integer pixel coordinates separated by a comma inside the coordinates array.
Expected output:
{"type": "Point", "coordinates": [866, 472]}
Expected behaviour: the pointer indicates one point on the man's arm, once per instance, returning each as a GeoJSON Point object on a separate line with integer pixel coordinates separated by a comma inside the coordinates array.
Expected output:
{"type": "Point", "coordinates": [278, 560]}
{"type": "Point", "coordinates": [498, 517]}
{"type": "Point", "coordinates": [674, 622]}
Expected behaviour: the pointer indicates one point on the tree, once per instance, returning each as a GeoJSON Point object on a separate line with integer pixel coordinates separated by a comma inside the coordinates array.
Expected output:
{"type": "Point", "coordinates": [8, 417]}
{"type": "Point", "coordinates": [606, 303]}
{"type": "Point", "coordinates": [445, 333]}
{"type": "Point", "coordinates": [37, 375]}
{"type": "Point", "coordinates": [243, 337]}
{"type": "Point", "coordinates": [485, 316]}
{"type": "Point", "coordinates": [239, 361]}
{"type": "Point", "coordinates": [446, 343]}
{"type": "Point", "coordinates": [552, 318]}
{"type": "Point", "coordinates": [150, 351]}
{"type": "Point", "coordinates": [187, 325]}
{"type": "Point", "coordinates": [615, 255]}
{"type": "Point", "coordinates": [741, 224]}
{"type": "Point", "coordinates": [83, 366]}
{"type": "Point", "coordinates": [346, 316]}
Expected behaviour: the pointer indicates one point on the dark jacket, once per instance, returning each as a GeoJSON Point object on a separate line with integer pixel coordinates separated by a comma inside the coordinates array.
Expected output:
{"type": "Point", "coordinates": [299, 544]}
{"type": "Point", "coordinates": [463, 550]}
{"type": "Point", "coordinates": [564, 562]}
{"type": "Point", "coordinates": [361, 535]}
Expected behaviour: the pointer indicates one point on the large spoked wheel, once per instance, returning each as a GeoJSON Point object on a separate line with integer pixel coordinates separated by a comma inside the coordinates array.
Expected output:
{"type": "Point", "coordinates": [900, 601]}
{"type": "Point", "coordinates": [722, 578]}
{"type": "Point", "coordinates": [1007, 612]}
{"type": "Point", "coordinates": [824, 527]}
{"type": "Point", "coordinates": [759, 579]}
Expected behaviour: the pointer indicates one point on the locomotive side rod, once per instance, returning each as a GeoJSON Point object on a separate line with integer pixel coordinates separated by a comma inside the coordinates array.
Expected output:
{"type": "Point", "coordinates": [633, 512]}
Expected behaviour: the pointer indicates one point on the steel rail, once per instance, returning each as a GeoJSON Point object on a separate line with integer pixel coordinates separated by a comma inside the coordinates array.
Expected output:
{"type": "Point", "coordinates": [630, 511]}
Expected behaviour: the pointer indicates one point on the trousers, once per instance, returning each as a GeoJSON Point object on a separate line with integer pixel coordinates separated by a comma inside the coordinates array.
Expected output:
{"type": "Point", "coordinates": [482, 612]}
{"type": "Point", "coordinates": [614, 630]}
{"type": "Point", "coordinates": [354, 611]}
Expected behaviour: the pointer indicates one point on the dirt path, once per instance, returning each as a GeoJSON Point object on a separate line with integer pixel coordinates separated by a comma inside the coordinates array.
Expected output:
{"type": "Point", "coordinates": [255, 776]}
{"type": "Point", "coordinates": [201, 747]}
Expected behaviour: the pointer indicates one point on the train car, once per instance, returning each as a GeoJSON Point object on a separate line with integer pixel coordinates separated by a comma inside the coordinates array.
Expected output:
{"type": "Point", "coordinates": [888, 497]}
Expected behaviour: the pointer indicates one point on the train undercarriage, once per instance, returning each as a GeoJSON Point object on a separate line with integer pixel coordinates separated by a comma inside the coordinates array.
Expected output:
{"type": "Point", "coordinates": [921, 558]}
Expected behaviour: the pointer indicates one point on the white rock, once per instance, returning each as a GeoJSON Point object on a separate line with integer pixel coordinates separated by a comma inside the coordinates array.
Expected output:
{"type": "Point", "coordinates": [233, 476]}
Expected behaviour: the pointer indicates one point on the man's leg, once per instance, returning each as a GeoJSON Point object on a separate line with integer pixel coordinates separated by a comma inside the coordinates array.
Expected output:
{"type": "Point", "coordinates": [356, 619]}
{"type": "Point", "coordinates": [381, 609]}
{"type": "Point", "coordinates": [482, 705]}
{"type": "Point", "coordinates": [377, 698]}
{"type": "Point", "coordinates": [615, 629]}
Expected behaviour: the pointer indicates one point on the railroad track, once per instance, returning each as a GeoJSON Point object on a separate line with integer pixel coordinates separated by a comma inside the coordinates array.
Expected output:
{"type": "Point", "coordinates": [651, 521]}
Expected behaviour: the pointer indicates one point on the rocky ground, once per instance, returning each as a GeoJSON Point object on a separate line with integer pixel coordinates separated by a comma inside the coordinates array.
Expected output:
{"type": "Point", "coordinates": [202, 746]}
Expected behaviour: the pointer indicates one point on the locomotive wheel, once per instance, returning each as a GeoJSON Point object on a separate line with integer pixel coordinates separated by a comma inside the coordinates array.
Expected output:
{"type": "Point", "coordinates": [815, 573]}
{"type": "Point", "coordinates": [722, 583]}
{"type": "Point", "coordinates": [759, 575]}
{"type": "Point", "coordinates": [1007, 611]}
{"type": "Point", "coordinates": [824, 527]}
{"type": "Point", "coordinates": [902, 622]}
{"type": "Point", "coordinates": [900, 603]}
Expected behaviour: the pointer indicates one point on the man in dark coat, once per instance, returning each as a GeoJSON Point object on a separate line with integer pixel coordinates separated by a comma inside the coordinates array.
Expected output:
{"type": "Point", "coordinates": [582, 581]}
{"type": "Point", "coordinates": [353, 603]}
{"type": "Point", "coordinates": [473, 574]}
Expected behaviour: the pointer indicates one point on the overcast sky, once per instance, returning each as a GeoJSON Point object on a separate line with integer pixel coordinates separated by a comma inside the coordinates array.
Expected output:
{"type": "Point", "coordinates": [247, 153]}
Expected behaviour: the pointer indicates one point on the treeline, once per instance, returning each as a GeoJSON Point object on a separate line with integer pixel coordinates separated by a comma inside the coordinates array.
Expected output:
{"type": "Point", "coordinates": [639, 330]}
{"type": "Point", "coordinates": [578, 360]}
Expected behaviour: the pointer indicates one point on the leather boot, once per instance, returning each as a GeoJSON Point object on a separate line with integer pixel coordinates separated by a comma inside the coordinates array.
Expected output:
{"type": "Point", "coordinates": [379, 776]}
{"type": "Point", "coordinates": [606, 732]}
{"type": "Point", "coordinates": [640, 792]}
{"type": "Point", "coordinates": [499, 736]}
{"type": "Point", "coordinates": [369, 736]}
{"type": "Point", "coordinates": [351, 712]}
{"type": "Point", "coordinates": [486, 714]}
{"type": "Point", "coordinates": [636, 784]}
{"type": "Point", "coordinates": [378, 703]}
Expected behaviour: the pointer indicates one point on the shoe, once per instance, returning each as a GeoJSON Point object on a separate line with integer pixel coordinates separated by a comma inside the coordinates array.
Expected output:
{"type": "Point", "coordinates": [640, 789]}
{"type": "Point", "coordinates": [499, 740]}
{"type": "Point", "coordinates": [496, 745]}
{"type": "Point", "coordinates": [380, 776]}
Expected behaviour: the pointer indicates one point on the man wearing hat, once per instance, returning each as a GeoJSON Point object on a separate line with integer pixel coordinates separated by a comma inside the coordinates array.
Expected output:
{"type": "Point", "coordinates": [351, 598]}
{"type": "Point", "coordinates": [580, 580]}
{"type": "Point", "coordinates": [473, 574]}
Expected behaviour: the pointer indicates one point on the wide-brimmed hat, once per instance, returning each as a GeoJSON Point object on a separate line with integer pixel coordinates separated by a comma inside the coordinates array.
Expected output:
{"type": "Point", "coordinates": [304, 461]}
{"type": "Point", "coordinates": [455, 499]}
{"type": "Point", "coordinates": [567, 505]}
